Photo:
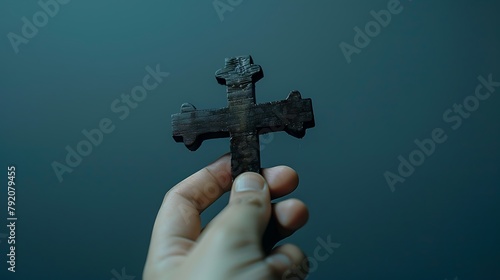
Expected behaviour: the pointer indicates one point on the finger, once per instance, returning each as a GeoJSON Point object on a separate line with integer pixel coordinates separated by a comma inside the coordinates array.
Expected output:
{"type": "Point", "coordinates": [285, 259]}
{"type": "Point", "coordinates": [291, 214]}
{"type": "Point", "coordinates": [250, 203]}
{"type": "Point", "coordinates": [282, 180]}
{"type": "Point", "coordinates": [245, 218]}
{"type": "Point", "coordinates": [287, 217]}
{"type": "Point", "coordinates": [233, 238]}
{"type": "Point", "coordinates": [178, 221]}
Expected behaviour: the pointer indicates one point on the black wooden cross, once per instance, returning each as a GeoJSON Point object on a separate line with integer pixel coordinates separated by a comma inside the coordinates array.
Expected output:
{"type": "Point", "coordinates": [243, 120]}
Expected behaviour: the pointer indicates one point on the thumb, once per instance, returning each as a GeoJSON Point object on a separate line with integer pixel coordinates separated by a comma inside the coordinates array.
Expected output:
{"type": "Point", "coordinates": [249, 208]}
{"type": "Point", "coordinates": [233, 239]}
{"type": "Point", "coordinates": [250, 202]}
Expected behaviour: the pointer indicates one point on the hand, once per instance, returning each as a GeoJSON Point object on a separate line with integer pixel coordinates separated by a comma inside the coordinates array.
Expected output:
{"type": "Point", "coordinates": [231, 246]}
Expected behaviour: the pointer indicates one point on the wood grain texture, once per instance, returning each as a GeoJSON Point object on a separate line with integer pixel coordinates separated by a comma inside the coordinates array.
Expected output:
{"type": "Point", "coordinates": [242, 120]}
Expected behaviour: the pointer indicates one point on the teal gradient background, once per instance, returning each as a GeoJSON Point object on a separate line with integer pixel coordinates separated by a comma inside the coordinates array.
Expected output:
{"type": "Point", "coordinates": [442, 222]}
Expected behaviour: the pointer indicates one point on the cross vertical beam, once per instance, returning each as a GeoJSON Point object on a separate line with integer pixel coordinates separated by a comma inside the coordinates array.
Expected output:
{"type": "Point", "coordinates": [240, 75]}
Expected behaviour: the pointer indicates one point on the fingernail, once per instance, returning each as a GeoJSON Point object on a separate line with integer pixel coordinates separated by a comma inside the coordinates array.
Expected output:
{"type": "Point", "coordinates": [249, 182]}
{"type": "Point", "coordinates": [279, 259]}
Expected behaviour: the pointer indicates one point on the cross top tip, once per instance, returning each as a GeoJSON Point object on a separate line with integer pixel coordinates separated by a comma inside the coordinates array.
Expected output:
{"type": "Point", "coordinates": [239, 70]}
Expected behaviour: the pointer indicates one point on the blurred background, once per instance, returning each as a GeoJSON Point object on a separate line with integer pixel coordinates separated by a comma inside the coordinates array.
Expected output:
{"type": "Point", "coordinates": [378, 84]}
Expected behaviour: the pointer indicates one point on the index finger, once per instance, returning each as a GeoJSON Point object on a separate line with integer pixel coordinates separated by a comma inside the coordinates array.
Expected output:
{"type": "Point", "coordinates": [178, 222]}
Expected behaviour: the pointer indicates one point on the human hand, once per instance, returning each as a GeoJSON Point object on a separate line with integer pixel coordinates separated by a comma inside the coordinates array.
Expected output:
{"type": "Point", "coordinates": [231, 246]}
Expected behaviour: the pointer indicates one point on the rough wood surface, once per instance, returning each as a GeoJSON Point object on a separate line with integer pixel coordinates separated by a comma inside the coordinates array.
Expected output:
{"type": "Point", "coordinates": [243, 120]}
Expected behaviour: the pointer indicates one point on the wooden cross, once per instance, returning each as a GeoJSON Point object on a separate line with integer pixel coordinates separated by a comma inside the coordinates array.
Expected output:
{"type": "Point", "coordinates": [243, 120]}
